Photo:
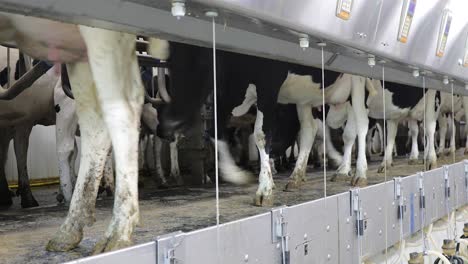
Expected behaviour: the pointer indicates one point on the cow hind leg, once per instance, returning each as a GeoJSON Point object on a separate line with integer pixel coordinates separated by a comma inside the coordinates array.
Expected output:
{"type": "Point", "coordinates": [21, 143]}
{"type": "Point", "coordinates": [120, 93]}
{"type": "Point", "coordinates": [264, 194]}
{"type": "Point", "coordinates": [175, 171]}
{"type": "Point", "coordinates": [95, 144]}
{"type": "Point", "coordinates": [5, 193]}
{"type": "Point", "coordinates": [414, 130]}
{"type": "Point", "coordinates": [392, 126]}
{"type": "Point", "coordinates": [306, 140]}
{"type": "Point", "coordinates": [442, 120]}
{"type": "Point", "coordinates": [349, 136]}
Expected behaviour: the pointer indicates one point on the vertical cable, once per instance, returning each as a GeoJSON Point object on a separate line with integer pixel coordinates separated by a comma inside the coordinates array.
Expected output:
{"type": "Point", "coordinates": [452, 137]}
{"type": "Point", "coordinates": [8, 68]}
{"type": "Point", "coordinates": [323, 130]}
{"type": "Point", "coordinates": [385, 156]}
{"type": "Point", "coordinates": [215, 102]}
{"type": "Point", "coordinates": [424, 121]}
{"type": "Point", "coordinates": [453, 124]}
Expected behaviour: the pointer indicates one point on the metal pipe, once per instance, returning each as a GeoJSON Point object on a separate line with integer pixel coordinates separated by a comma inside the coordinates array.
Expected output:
{"type": "Point", "coordinates": [162, 85]}
{"type": "Point", "coordinates": [439, 255]}
{"type": "Point", "coordinates": [25, 81]}
{"type": "Point", "coordinates": [66, 86]}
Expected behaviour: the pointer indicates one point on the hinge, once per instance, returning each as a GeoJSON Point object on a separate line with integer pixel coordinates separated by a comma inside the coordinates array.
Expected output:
{"type": "Point", "coordinates": [279, 231]}
{"type": "Point", "coordinates": [356, 210]}
{"type": "Point", "coordinates": [398, 191]}
{"type": "Point", "coordinates": [166, 246]}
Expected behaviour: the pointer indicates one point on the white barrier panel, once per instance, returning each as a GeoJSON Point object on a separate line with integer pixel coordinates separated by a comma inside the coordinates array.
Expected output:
{"type": "Point", "coordinates": [330, 230]}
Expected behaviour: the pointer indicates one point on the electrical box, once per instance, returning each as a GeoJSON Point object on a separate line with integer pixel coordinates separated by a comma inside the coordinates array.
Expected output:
{"type": "Point", "coordinates": [343, 9]}
{"type": "Point", "coordinates": [444, 32]}
{"type": "Point", "coordinates": [407, 14]}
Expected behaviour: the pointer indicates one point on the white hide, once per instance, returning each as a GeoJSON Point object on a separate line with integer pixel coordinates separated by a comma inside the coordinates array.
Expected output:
{"type": "Point", "coordinates": [229, 171]}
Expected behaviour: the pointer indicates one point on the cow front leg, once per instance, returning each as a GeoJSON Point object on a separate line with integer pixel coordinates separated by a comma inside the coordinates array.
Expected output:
{"type": "Point", "coordinates": [465, 109]}
{"type": "Point", "coordinates": [264, 194]}
{"type": "Point", "coordinates": [174, 153]}
{"type": "Point", "coordinates": [442, 120]}
{"type": "Point", "coordinates": [431, 120]}
{"type": "Point", "coordinates": [362, 126]}
{"type": "Point", "coordinates": [414, 131]}
{"type": "Point", "coordinates": [21, 143]}
{"type": "Point", "coordinates": [5, 194]}
{"type": "Point", "coordinates": [65, 130]}
{"type": "Point", "coordinates": [95, 144]}
{"type": "Point", "coordinates": [120, 92]}
{"type": "Point", "coordinates": [306, 140]}
{"type": "Point", "coordinates": [349, 136]}
{"type": "Point", "coordinates": [387, 162]}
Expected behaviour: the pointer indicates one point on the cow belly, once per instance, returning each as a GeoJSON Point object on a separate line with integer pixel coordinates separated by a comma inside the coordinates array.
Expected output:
{"type": "Point", "coordinates": [300, 89]}
{"type": "Point", "coordinates": [45, 39]}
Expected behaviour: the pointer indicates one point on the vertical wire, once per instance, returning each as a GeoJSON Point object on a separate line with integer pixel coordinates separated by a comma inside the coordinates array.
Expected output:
{"type": "Point", "coordinates": [8, 68]}
{"type": "Point", "coordinates": [453, 124]}
{"type": "Point", "coordinates": [385, 155]}
{"type": "Point", "coordinates": [424, 122]}
{"type": "Point", "coordinates": [215, 116]}
{"type": "Point", "coordinates": [323, 129]}
{"type": "Point", "coordinates": [453, 161]}
{"type": "Point", "coordinates": [215, 102]}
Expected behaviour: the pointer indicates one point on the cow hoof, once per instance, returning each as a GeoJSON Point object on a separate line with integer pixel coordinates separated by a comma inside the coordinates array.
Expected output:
{"type": "Point", "coordinates": [60, 198]}
{"type": "Point", "coordinates": [413, 162]}
{"type": "Point", "coordinates": [292, 185]}
{"type": "Point", "coordinates": [263, 200]}
{"type": "Point", "coordinates": [466, 151]}
{"type": "Point", "coordinates": [339, 177]}
{"type": "Point", "coordinates": [28, 201]}
{"type": "Point", "coordinates": [64, 241]}
{"type": "Point", "coordinates": [359, 182]}
{"type": "Point", "coordinates": [381, 169]}
{"type": "Point", "coordinates": [110, 244]}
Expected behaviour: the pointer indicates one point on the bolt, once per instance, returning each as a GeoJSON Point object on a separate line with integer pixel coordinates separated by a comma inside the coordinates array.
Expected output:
{"type": "Point", "coordinates": [348, 247]}
{"type": "Point", "coordinates": [328, 256]}
{"type": "Point", "coordinates": [380, 232]}
{"type": "Point", "coordinates": [328, 228]}
{"type": "Point", "coordinates": [246, 258]}
{"type": "Point", "coordinates": [305, 236]}
{"type": "Point", "coordinates": [278, 245]}
{"type": "Point", "coordinates": [380, 209]}
{"type": "Point", "coordinates": [347, 220]}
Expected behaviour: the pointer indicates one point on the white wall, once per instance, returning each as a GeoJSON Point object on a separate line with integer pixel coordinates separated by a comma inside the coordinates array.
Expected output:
{"type": "Point", "coordinates": [42, 157]}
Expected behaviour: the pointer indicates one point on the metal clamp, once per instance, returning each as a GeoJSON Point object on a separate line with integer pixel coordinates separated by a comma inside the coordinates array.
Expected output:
{"type": "Point", "coordinates": [279, 231]}
{"type": "Point", "coordinates": [422, 195]}
{"type": "Point", "coordinates": [398, 190]}
{"type": "Point", "coordinates": [447, 181]}
{"type": "Point", "coordinates": [166, 246]}
{"type": "Point", "coordinates": [355, 201]}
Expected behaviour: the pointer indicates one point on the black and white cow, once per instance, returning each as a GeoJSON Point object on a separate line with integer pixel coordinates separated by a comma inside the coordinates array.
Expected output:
{"type": "Point", "coordinates": [403, 102]}
{"type": "Point", "coordinates": [244, 80]}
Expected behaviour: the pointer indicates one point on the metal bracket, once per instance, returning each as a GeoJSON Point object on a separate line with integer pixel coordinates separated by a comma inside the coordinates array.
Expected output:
{"type": "Point", "coordinates": [447, 182]}
{"type": "Point", "coordinates": [279, 231]}
{"type": "Point", "coordinates": [166, 246]}
{"type": "Point", "coordinates": [356, 209]}
{"type": "Point", "coordinates": [422, 195]}
{"type": "Point", "coordinates": [398, 190]}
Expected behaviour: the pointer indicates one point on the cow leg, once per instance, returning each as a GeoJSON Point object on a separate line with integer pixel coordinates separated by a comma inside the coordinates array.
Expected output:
{"type": "Point", "coordinates": [362, 126]}
{"type": "Point", "coordinates": [392, 126]}
{"type": "Point", "coordinates": [95, 144]}
{"type": "Point", "coordinates": [465, 109]}
{"type": "Point", "coordinates": [108, 175]}
{"type": "Point", "coordinates": [442, 120]}
{"type": "Point", "coordinates": [306, 140]}
{"type": "Point", "coordinates": [120, 92]}
{"type": "Point", "coordinates": [349, 136]}
{"type": "Point", "coordinates": [264, 194]}
{"type": "Point", "coordinates": [5, 193]}
{"type": "Point", "coordinates": [331, 150]}
{"type": "Point", "coordinates": [414, 130]}
{"type": "Point", "coordinates": [174, 153]}
{"type": "Point", "coordinates": [21, 143]}
{"type": "Point", "coordinates": [157, 152]}
{"type": "Point", "coordinates": [65, 130]}
{"type": "Point", "coordinates": [453, 147]}
{"type": "Point", "coordinates": [431, 119]}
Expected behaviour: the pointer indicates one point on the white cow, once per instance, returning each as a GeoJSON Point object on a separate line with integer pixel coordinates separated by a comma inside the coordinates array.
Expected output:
{"type": "Point", "coordinates": [406, 105]}
{"type": "Point", "coordinates": [105, 77]}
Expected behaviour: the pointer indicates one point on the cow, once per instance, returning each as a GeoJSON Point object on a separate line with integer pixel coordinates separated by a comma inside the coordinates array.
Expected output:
{"type": "Point", "coordinates": [404, 102]}
{"type": "Point", "coordinates": [103, 70]}
{"type": "Point", "coordinates": [17, 118]}
{"type": "Point", "coordinates": [271, 82]}
{"type": "Point", "coordinates": [445, 121]}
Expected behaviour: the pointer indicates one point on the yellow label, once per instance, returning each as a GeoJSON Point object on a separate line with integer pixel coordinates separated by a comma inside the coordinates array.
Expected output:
{"type": "Point", "coordinates": [403, 39]}
{"type": "Point", "coordinates": [343, 15]}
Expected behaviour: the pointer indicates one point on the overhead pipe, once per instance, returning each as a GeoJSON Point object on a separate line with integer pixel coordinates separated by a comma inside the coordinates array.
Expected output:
{"type": "Point", "coordinates": [25, 81]}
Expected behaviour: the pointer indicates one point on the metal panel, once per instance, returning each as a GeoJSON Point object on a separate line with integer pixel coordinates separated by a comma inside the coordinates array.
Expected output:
{"type": "Point", "coordinates": [270, 29]}
{"type": "Point", "coordinates": [141, 254]}
{"type": "Point", "coordinates": [320, 231]}
{"type": "Point", "coordinates": [459, 191]}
